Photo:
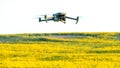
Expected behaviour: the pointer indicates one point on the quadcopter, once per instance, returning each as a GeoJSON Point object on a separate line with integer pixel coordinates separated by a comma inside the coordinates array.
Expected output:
{"type": "Point", "coordinates": [57, 17]}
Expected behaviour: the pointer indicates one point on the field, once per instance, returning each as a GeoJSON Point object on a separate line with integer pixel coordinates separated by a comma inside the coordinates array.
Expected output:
{"type": "Point", "coordinates": [60, 50]}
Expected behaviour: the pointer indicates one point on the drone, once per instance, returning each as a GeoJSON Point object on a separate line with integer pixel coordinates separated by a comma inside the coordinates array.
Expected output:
{"type": "Point", "coordinates": [60, 16]}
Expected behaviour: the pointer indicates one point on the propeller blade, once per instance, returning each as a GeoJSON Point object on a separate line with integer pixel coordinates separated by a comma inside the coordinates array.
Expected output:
{"type": "Point", "coordinates": [36, 17]}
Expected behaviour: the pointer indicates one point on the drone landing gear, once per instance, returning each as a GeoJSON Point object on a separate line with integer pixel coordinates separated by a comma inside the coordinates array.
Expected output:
{"type": "Point", "coordinates": [46, 18]}
{"type": "Point", "coordinates": [62, 19]}
{"type": "Point", "coordinates": [39, 19]}
{"type": "Point", "coordinates": [77, 19]}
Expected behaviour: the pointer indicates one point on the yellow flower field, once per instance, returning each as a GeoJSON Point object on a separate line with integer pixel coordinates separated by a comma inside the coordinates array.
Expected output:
{"type": "Point", "coordinates": [60, 50]}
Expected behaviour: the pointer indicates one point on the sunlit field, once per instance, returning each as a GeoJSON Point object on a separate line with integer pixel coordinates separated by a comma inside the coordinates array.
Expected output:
{"type": "Point", "coordinates": [60, 50]}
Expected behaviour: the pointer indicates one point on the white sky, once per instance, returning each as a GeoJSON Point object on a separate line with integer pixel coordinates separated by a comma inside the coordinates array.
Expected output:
{"type": "Point", "coordinates": [17, 16]}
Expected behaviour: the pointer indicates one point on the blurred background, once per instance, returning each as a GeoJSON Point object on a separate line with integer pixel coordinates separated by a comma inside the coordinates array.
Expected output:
{"type": "Point", "coordinates": [18, 16]}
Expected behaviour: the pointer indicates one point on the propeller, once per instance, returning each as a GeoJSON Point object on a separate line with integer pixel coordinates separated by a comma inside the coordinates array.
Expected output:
{"type": "Point", "coordinates": [44, 15]}
{"type": "Point", "coordinates": [36, 17]}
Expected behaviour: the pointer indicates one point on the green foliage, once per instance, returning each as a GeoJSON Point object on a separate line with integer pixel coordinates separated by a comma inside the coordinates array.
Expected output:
{"type": "Point", "coordinates": [56, 37]}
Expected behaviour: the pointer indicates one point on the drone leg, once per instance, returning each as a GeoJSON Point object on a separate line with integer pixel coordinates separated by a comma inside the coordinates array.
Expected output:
{"type": "Point", "coordinates": [64, 20]}
{"type": "Point", "coordinates": [39, 19]}
{"type": "Point", "coordinates": [77, 19]}
{"type": "Point", "coordinates": [46, 18]}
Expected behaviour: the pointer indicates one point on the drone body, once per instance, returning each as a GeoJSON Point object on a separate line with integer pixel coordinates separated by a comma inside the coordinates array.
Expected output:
{"type": "Point", "coordinates": [58, 17]}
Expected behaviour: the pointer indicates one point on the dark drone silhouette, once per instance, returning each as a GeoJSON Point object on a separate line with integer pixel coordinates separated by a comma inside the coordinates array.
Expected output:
{"type": "Point", "coordinates": [58, 17]}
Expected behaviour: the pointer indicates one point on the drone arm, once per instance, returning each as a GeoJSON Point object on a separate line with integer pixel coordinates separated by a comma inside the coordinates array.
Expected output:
{"type": "Point", "coordinates": [70, 18]}
{"type": "Point", "coordinates": [77, 19]}
{"type": "Point", "coordinates": [44, 20]}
